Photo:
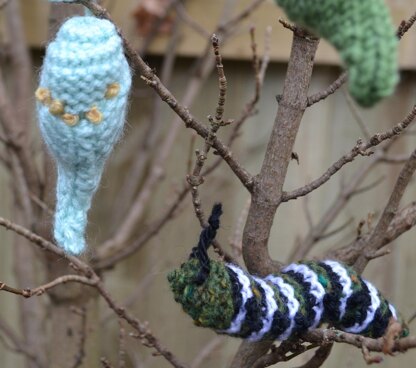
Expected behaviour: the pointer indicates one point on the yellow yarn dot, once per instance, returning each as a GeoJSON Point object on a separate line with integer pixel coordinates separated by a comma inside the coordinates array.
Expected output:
{"type": "Point", "coordinates": [70, 119]}
{"type": "Point", "coordinates": [256, 292]}
{"type": "Point", "coordinates": [95, 116]}
{"type": "Point", "coordinates": [56, 107]}
{"type": "Point", "coordinates": [43, 95]}
{"type": "Point", "coordinates": [113, 90]}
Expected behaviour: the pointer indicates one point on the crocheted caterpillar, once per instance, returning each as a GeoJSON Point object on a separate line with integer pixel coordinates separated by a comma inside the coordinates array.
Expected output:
{"type": "Point", "coordinates": [304, 295]}
{"type": "Point", "coordinates": [82, 99]}
{"type": "Point", "coordinates": [363, 34]}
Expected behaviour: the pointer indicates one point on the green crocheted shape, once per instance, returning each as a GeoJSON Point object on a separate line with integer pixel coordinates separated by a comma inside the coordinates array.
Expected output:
{"type": "Point", "coordinates": [363, 34]}
{"type": "Point", "coordinates": [210, 304]}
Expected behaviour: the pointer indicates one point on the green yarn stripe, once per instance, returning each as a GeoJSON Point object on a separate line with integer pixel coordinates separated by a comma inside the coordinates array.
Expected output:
{"type": "Point", "coordinates": [218, 303]}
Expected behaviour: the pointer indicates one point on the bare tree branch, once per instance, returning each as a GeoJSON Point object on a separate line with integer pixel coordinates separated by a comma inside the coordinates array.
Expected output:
{"type": "Point", "coordinates": [377, 238]}
{"type": "Point", "coordinates": [405, 25]}
{"type": "Point", "coordinates": [40, 290]}
{"type": "Point", "coordinates": [82, 312]}
{"type": "Point", "coordinates": [154, 82]}
{"type": "Point", "coordinates": [267, 193]}
{"type": "Point", "coordinates": [19, 346]}
{"type": "Point", "coordinates": [105, 363]}
{"type": "Point", "coordinates": [319, 96]}
{"type": "Point", "coordinates": [361, 148]}
{"type": "Point", "coordinates": [404, 220]}
{"type": "Point", "coordinates": [208, 350]}
{"type": "Point", "coordinates": [268, 184]}
{"type": "Point", "coordinates": [319, 358]}
{"type": "Point", "coordinates": [90, 279]}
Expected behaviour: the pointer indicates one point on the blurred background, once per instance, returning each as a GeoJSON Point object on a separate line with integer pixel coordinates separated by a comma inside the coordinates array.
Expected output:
{"type": "Point", "coordinates": [174, 39]}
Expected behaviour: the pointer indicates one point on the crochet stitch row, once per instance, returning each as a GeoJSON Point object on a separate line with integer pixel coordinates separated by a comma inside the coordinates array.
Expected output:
{"type": "Point", "coordinates": [363, 34]}
{"type": "Point", "coordinates": [303, 296]}
{"type": "Point", "coordinates": [57, 107]}
{"type": "Point", "coordinates": [82, 101]}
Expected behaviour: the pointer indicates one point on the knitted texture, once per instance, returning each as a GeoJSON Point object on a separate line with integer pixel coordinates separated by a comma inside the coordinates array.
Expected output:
{"type": "Point", "coordinates": [82, 99]}
{"type": "Point", "coordinates": [303, 296]}
{"type": "Point", "coordinates": [281, 306]}
{"type": "Point", "coordinates": [363, 34]}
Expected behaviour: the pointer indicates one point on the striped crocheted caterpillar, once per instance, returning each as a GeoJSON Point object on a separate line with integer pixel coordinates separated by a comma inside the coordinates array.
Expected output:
{"type": "Point", "coordinates": [82, 99]}
{"type": "Point", "coordinates": [363, 34]}
{"type": "Point", "coordinates": [304, 295]}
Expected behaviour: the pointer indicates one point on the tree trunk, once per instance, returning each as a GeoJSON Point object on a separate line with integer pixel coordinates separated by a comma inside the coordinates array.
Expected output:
{"type": "Point", "coordinates": [268, 184]}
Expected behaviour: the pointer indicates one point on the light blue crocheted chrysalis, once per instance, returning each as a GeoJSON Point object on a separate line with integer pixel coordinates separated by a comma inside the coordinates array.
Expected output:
{"type": "Point", "coordinates": [82, 99]}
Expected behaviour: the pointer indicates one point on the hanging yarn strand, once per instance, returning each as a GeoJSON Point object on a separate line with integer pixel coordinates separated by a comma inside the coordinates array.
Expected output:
{"type": "Point", "coordinates": [363, 33]}
{"type": "Point", "coordinates": [303, 296]}
{"type": "Point", "coordinates": [81, 103]}
{"type": "Point", "coordinates": [208, 234]}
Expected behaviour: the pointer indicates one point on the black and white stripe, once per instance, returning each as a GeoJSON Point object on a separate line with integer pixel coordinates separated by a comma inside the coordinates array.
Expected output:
{"type": "Point", "coordinates": [246, 293]}
{"type": "Point", "coordinates": [315, 288]}
{"type": "Point", "coordinates": [292, 303]}
{"type": "Point", "coordinates": [270, 307]}
{"type": "Point", "coordinates": [371, 311]}
{"type": "Point", "coordinates": [268, 313]}
{"type": "Point", "coordinates": [345, 281]}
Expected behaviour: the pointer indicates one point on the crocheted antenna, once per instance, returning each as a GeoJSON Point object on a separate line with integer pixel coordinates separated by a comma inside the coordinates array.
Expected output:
{"type": "Point", "coordinates": [303, 296]}
{"type": "Point", "coordinates": [82, 99]}
{"type": "Point", "coordinates": [363, 34]}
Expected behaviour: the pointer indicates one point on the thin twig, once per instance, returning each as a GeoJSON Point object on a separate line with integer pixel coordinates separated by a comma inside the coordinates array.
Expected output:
{"type": "Point", "coordinates": [259, 73]}
{"type": "Point", "coordinates": [319, 358]}
{"type": "Point", "coordinates": [399, 159]}
{"type": "Point", "coordinates": [108, 261]}
{"type": "Point", "coordinates": [376, 239]}
{"type": "Point", "coordinates": [122, 346]}
{"type": "Point", "coordinates": [356, 114]}
{"type": "Point", "coordinates": [250, 106]}
{"type": "Point", "coordinates": [113, 246]}
{"type": "Point", "coordinates": [144, 334]}
{"type": "Point", "coordinates": [236, 241]}
{"type": "Point", "coordinates": [46, 245]}
{"type": "Point", "coordinates": [188, 20]}
{"type": "Point", "coordinates": [153, 31]}
{"type": "Point", "coordinates": [320, 336]}
{"type": "Point", "coordinates": [18, 345]}
{"type": "Point", "coordinates": [346, 193]}
{"type": "Point", "coordinates": [208, 350]}
{"type": "Point", "coordinates": [106, 363]}
{"type": "Point", "coordinates": [3, 4]}
{"type": "Point", "coordinates": [150, 140]}
{"type": "Point", "coordinates": [41, 204]}
{"type": "Point", "coordinates": [154, 82]}
{"type": "Point", "coordinates": [16, 139]}
{"type": "Point", "coordinates": [360, 149]}
{"type": "Point", "coordinates": [246, 12]}
{"type": "Point", "coordinates": [196, 179]}
{"type": "Point", "coordinates": [40, 290]}
{"type": "Point", "coordinates": [335, 231]}
{"type": "Point", "coordinates": [319, 96]}
{"type": "Point", "coordinates": [405, 25]}
{"type": "Point", "coordinates": [90, 279]}
{"type": "Point", "coordinates": [82, 312]}
{"type": "Point", "coordinates": [404, 220]}
{"type": "Point", "coordinates": [285, 352]}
